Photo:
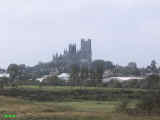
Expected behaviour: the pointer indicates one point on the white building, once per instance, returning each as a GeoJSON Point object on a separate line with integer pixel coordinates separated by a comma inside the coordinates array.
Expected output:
{"type": "Point", "coordinates": [42, 78]}
{"type": "Point", "coordinates": [64, 76]}
{"type": "Point", "coordinates": [4, 75]}
{"type": "Point", "coordinates": [121, 79]}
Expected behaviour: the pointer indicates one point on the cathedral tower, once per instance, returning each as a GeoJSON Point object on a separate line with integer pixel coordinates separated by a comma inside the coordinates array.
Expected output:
{"type": "Point", "coordinates": [72, 49]}
{"type": "Point", "coordinates": [86, 50]}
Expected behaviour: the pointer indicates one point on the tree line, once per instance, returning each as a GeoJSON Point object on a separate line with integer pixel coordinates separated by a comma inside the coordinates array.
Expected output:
{"type": "Point", "coordinates": [80, 74]}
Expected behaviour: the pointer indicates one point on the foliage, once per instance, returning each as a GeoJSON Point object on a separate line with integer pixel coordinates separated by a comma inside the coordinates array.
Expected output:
{"type": "Point", "coordinates": [75, 74]}
{"type": "Point", "coordinates": [48, 93]}
{"type": "Point", "coordinates": [98, 68]}
{"type": "Point", "coordinates": [53, 80]}
{"type": "Point", "coordinates": [151, 82]}
{"type": "Point", "coordinates": [4, 81]}
{"type": "Point", "coordinates": [13, 70]}
{"type": "Point", "coordinates": [150, 104]}
{"type": "Point", "coordinates": [123, 105]}
{"type": "Point", "coordinates": [147, 104]}
{"type": "Point", "coordinates": [113, 84]}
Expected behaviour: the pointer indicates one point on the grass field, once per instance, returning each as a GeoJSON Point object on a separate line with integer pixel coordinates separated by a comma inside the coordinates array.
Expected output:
{"type": "Point", "coordinates": [85, 110]}
{"type": "Point", "coordinates": [65, 110]}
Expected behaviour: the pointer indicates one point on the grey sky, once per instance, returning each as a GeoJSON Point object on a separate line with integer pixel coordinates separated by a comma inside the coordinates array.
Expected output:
{"type": "Point", "coordinates": [122, 30]}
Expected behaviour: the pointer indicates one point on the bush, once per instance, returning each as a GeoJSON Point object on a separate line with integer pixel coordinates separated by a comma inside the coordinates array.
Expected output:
{"type": "Point", "coordinates": [150, 104]}
{"type": "Point", "coordinates": [114, 84]}
{"type": "Point", "coordinates": [123, 106]}
{"type": "Point", "coordinates": [130, 84]}
{"type": "Point", "coordinates": [53, 81]}
{"type": "Point", "coordinates": [151, 82]}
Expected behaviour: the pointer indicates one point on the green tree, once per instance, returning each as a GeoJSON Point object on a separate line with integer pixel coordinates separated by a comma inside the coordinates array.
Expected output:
{"type": "Point", "coordinates": [75, 80]}
{"type": "Point", "coordinates": [84, 75]}
{"type": "Point", "coordinates": [3, 81]}
{"type": "Point", "coordinates": [153, 67]}
{"type": "Point", "coordinates": [13, 70]}
{"type": "Point", "coordinates": [98, 67]}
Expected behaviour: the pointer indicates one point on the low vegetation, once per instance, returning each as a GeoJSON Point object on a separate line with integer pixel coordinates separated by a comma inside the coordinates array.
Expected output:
{"type": "Point", "coordinates": [84, 110]}
{"type": "Point", "coordinates": [74, 93]}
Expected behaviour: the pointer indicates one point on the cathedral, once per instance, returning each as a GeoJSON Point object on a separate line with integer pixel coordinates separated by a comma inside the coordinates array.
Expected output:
{"type": "Point", "coordinates": [61, 63]}
{"type": "Point", "coordinates": [74, 56]}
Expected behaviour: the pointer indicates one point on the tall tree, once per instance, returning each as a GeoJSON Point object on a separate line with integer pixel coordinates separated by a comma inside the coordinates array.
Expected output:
{"type": "Point", "coordinates": [84, 74]}
{"type": "Point", "coordinates": [98, 67]}
{"type": "Point", "coordinates": [75, 74]}
{"type": "Point", "coordinates": [13, 70]}
{"type": "Point", "coordinates": [153, 67]}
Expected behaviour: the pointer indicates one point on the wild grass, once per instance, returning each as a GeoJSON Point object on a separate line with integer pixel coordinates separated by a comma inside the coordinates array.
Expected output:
{"type": "Point", "coordinates": [84, 110]}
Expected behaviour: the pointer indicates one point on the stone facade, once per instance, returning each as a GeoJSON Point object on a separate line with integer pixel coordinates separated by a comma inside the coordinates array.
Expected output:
{"type": "Point", "coordinates": [73, 56]}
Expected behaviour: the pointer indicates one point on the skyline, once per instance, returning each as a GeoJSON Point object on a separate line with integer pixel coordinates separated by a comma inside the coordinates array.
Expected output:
{"type": "Point", "coordinates": [78, 48]}
{"type": "Point", "coordinates": [121, 31]}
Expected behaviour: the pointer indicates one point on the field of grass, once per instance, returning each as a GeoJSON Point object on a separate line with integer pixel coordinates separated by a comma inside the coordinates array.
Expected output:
{"type": "Point", "coordinates": [86, 107]}
{"type": "Point", "coordinates": [84, 110]}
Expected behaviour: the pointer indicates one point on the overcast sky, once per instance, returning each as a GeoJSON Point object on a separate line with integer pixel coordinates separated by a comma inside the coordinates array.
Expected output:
{"type": "Point", "coordinates": [121, 30]}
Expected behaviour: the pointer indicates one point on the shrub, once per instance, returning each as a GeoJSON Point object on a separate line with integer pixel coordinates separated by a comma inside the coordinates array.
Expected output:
{"type": "Point", "coordinates": [151, 82]}
{"type": "Point", "coordinates": [150, 104]}
{"type": "Point", "coordinates": [114, 84]}
{"type": "Point", "coordinates": [123, 106]}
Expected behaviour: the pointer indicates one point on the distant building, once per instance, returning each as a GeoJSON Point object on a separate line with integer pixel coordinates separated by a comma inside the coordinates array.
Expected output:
{"type": "Point", "coordinates": [61, 63]}
{"type": "Point", "coordinates": [42, 78]}
{"type": "Point", "coordinates": [64, 76]}
{"type": "Point", "coordinates": [108, 73]}
{"type": "Point", "coordinates": [121, 79]}
{"type": "Point", "coordinates": [72, 55]}
{"type": "Point", "coordinates": [132, 65]}
{"type": "Point", "coordinates": [4, 75]}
